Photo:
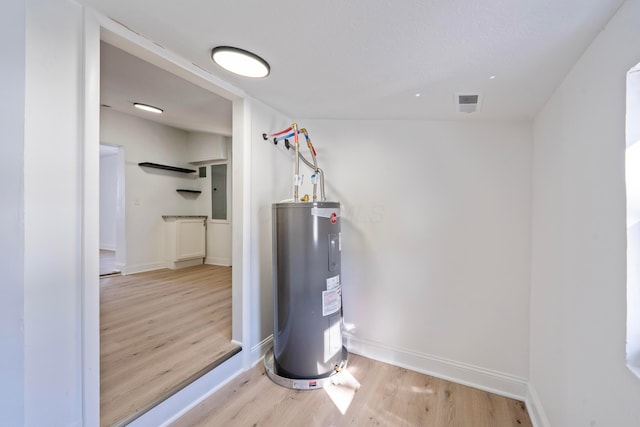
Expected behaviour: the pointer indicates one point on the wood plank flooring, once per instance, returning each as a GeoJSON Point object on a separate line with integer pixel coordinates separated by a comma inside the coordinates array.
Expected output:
{"type": "Point", "coordinates": [159, 331]}
{"type": "Point", "coordinates": [387, 396]}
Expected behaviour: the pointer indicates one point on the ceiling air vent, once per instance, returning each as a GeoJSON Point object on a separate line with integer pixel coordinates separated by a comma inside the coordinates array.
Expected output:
{"type": "Point", "coordinates": [467, 102]}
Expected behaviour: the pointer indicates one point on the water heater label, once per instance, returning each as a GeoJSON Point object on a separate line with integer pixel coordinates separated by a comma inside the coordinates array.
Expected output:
{"type": "Point", "coordinates": [326, 212]}
{"type": "Point", "coordinates": [305, 384]}
{"type": "Point", "coordinates": [333, 282]}
{"type": "Point", "coordinates": [331, 301]}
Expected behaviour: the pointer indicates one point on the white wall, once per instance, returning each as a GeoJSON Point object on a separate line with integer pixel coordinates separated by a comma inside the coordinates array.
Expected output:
{"type": "Point", "coordinates": [53, 263]}
{"type": "Point", "coordinates": [218, 243]}
{"type": "Point", "coordinates": [218, 231]}
{"type": "Point", "coordinates": [12, 120]}
{"type": "Point", "coordinates": [150, 193]}
{"type": "Point", "coordinates": [52, 191]}
{"type": "Point", "coordinates": [435, 241]}
{"type": "Point", "coordinates": [205, 149]}
{"type": "Point", "coordinates": [577, 370]}
{"type": "Point", "coordinates": [464, 206]}
{"type": "Point", "coordinates": [108, 200]}
{"type": "Point", "coordinates": [270, 183]}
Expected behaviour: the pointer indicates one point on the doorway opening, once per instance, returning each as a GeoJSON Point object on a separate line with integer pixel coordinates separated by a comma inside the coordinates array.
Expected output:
{"type": "Point", "coordinates": [112, 236]}
{"type": "Point", "coordinates": [161, 327]}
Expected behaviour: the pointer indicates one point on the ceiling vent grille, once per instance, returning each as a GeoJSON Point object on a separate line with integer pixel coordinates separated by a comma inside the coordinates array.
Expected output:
{"type": "Point", "coordinates": [467, 102]}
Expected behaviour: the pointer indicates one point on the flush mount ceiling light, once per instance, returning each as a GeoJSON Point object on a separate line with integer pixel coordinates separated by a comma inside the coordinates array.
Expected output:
{"type": "Point", "coordinates": [149, 108]}
{"type": "Point", "coordinates": [240, 62]}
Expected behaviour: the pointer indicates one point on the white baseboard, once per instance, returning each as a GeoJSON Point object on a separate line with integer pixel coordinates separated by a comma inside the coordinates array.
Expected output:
{"type": "Point", "coordinates": [141, 268]}
{"type": "Point", "coordinates": [174, 265]}
{"type": "Point", "coordinates": [535, 409]}
{"type": "Point", "coordinates": [225, 262]}
{"type": "Point", "coordinates": [473, 376]}
{"type": "Point", "coordinates": [259, 350]}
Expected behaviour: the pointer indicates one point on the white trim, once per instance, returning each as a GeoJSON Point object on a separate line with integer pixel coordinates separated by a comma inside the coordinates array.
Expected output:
{"type": "Point", "coordinates": [121, 210]}
{"type": "Point", "coordinates": [225, 262]}
{"type": "Point", "coordinates": [141, 268]}
{"type": "Point", "coordinates": [97, 27]}
{"type": "Point", "coordinates": [462, 373]}
{"type": "Point", "coordinates": [259, 350]}
{"type": "Point", "coordinates": [634, 368]}
{"type": "Point", "coordinates": [189, 397]}
{"type": "Point", "coordinates": [241, 231]}
{"type": "Point", "coordinates": [148, 50]}
{"type": "Point", "coordinates": [108, 248]}
{"type": "Point", "coordinates": [89, 129]}
{"type": "Point", "coordinates": [535, 409]}
{"type": "Point", "coordinates": [176, 265]}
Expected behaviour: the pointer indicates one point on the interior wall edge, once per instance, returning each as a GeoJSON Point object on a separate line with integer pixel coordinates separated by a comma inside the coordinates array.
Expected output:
{"type": "Point", "coordinates": [260, 349]}
{"type": "Point", "coordinates": [189, 397]}
{"type": "Point", "coordinates": [12, 244]}
{"type": "Point", "coordinates": [535, 409]}
{"type": "Point", "coordinates": [146, 49]}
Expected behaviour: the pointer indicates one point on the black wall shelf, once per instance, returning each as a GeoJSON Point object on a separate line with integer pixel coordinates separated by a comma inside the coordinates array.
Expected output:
{"type": "Point", "coordinates": [182, 190]}
{"type": "Point", "coordinates": [165, 167]}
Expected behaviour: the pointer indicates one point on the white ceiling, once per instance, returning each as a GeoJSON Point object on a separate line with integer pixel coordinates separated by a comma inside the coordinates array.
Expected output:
{"type": "Point", "coordinates": [125, 79]}
{"type": "Point", "coordinates": [366, 59]}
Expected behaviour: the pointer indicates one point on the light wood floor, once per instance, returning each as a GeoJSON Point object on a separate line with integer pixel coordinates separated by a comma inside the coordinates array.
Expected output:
{"type": "Point", "coordinates": [388, 396]}
{"type": "Point", "coordinates": [159, 331]}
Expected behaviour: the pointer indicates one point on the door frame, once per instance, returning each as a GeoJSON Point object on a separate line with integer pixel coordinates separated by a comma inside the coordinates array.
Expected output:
{"type": "Point", "coordinates": [98, 27]}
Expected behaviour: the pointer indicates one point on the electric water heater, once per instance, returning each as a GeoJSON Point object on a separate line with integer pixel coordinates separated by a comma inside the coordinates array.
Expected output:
{"type": "Point", "coordinates": [307, 288]}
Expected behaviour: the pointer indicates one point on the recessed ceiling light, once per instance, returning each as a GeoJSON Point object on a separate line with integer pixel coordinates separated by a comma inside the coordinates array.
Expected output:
{"type": "Point", "coordinates": [240, 61]}
{"type": "Point", "coordinates": [148, 108]}
{"type": "Point", "coordinates": [417, 95]}
{"type": "Point", "coordinates": [492, 77]}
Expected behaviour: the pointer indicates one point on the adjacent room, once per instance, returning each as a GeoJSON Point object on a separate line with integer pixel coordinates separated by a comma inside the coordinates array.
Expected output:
{"type": "Point", "coordinates": [165, 235]}
{"type": "Point", "coordinates": [484, 272]}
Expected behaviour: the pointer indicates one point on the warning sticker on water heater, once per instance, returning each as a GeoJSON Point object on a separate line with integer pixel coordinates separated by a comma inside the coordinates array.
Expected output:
{"type": "Point", "coordinates": [331, 302]}
{"type": "Point", "coordinates": [333, 282]}
{"type": "Point", "coordinates": [331, 298]}
{"type": "Point", "coordinates": [326, 212]}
